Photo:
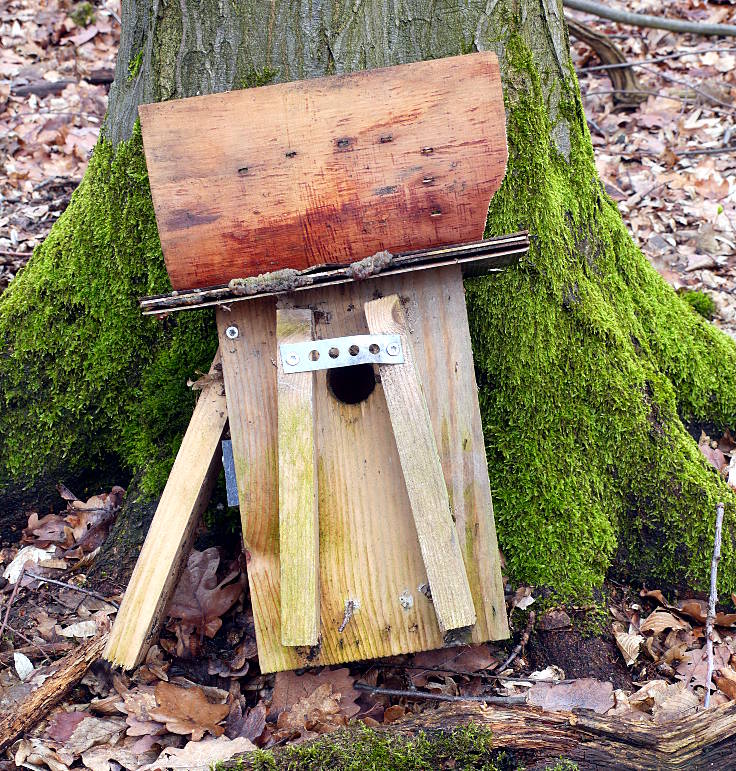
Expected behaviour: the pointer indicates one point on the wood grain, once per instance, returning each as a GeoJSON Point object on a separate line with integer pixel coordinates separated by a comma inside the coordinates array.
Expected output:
{"type": "Point", "coordinates": [328, 170]}
{"type": "Point", "coordinates": [368, 545]}
{"type": "Point", "coordinates": [62, 677]}
{"type": "Point", "coordinates": [423, 477]}
{"type": "Point", "coordinates": [298, 512]}
{"type": "Point", "coordinates": [170, 535]}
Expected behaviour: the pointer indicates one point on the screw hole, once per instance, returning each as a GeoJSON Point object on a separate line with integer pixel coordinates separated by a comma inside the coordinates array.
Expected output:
{"type": "Point", "coordinates": [334, 353]}
{"type": "Point", "coordinates": [354, 350]}
{"type": "Point", "coordinates": [374, 348]}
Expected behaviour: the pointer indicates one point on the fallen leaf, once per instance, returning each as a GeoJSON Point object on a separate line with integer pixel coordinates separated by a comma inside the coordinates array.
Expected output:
{"type": "Point", "coordinates": [315, 714]}
{"type": "Point", "coordinates": [62, 724]}
{"type": "Point", "coordinates": [629, 645]}
{"type": "Point", "coordinates": [585, 693]}
{"type": "Point", "coordinates": [289, 688]}
{"type": "Point", "coordinates": [80, 630]}
{"type": "Point", "coordinates": [393, 713]}
{"type": "Point", "coordinates": [27, 554]}
{"type": "Point", "coordinates": [188, 711]}
{"type": "Point", "coordinates": [660, 620]}
{"type": "Point", "coordinates": [249, 725]}
{"type": "Point", "coordinates": [553, 620]}
{"type": "Point", "coordinates": [23, 665]}
{"type": "Point", "coordinates": [199, 754]}
{"type": "Point", "coordinates": [199, 600]}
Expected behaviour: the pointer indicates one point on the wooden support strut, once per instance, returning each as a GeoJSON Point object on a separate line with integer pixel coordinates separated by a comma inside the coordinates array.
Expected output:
{"type": "Point", "coordinates": [298, 507]}
{"type": "Point", "coordinates": [170, 536]}
{"type": "Point", "coordinates": [420, 463]}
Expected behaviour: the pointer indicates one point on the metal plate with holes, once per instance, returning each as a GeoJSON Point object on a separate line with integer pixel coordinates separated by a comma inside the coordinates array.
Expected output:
{"type": "Point", "coordinates": [341, 352]}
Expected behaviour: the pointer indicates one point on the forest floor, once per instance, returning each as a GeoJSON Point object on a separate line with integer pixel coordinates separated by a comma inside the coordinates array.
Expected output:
{"type": "Point", "coordinates": [670, 163]}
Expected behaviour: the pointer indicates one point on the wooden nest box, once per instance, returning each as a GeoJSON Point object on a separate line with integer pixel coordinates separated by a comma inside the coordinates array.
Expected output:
{"type": "Point", "coordinates": [330, 222]}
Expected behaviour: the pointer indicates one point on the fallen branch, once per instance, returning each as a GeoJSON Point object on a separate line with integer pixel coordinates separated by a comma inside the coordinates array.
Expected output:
{"type": "Point", "coordinates": [67, 673]}
{"type": "Point", "coordinates": [42, 648]}
{"type": "Point", "coordinates": [703, 740]}
{"type": "Point", "coordinates": [622, 76]}
{"type": "Point", "coordinates": [415, 693]}
{"type": "Point", "coordinates": [645, 20]}
{"type": "Point", "coordinates": [711, 617]}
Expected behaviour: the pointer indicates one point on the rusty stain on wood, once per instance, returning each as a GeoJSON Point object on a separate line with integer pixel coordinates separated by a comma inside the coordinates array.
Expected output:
{"type": "Point", "coordinates": [234, 198]}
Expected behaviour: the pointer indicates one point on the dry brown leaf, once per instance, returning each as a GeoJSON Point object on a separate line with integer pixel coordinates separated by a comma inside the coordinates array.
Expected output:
{"type": "Point", "coordinates": [62, 724]}
{"type": "Point", "coordinates": [660, 620]}
{"type": "Point", "coordinates": [393, 713]}
{"type": "Point", "coordinates": [199, 599]}
{"type": "Point", "coordinates": [188, 711]}
{"type": "Point", "coordinates": [289, 688]}
{"type": "Point", "coordinates": [693, 669]}
{"type": "Point", "coordinates": [585, 693]}
{"type": "Point", "coordinates": [199, 754]}
{"type": "Point", "coordinates": [315, 714]}
{"type": "Point", "coordinates": [629, 645]}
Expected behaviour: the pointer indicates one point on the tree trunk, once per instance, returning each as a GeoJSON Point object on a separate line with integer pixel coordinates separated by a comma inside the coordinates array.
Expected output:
{"type": "Point", "coordinates": [588, 363]}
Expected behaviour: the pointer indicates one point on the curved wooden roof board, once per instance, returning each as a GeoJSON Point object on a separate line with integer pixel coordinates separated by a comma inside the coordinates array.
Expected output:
{"type": "Point", "coordinates": [325, 171]}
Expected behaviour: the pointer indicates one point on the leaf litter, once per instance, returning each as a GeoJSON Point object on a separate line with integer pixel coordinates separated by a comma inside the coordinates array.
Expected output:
{"type": "Point", "coordinates": [199, 696]}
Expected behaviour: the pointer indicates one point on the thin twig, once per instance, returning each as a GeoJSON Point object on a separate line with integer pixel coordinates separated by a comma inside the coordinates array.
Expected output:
{"type": "Point", "coordinates": [522, 643]}
{"type": "Point", "coordinates": [28, 640]}
{"type": "Point", "coordinates": [687, 84]}
{"type": "Point", "coordinates": [682, 99]}
{"type": "Point", "coordinates": [10, 601]}
{"type": "Point", "coordinates": [74, 588]}
{"type": "Point", "coordinates": [412, 694]}
{"type": "Point", "coordinates": [654, 60]}
{"type": "Point", "coordinates": [711, 617]}
{"type": "Point", "coordinates": [645, 20]}
{"type": "Point", "coordinates": [44, 648]}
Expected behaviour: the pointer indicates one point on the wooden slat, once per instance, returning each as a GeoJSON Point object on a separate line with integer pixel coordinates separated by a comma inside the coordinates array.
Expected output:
{"type": "Point", "coordinates": [298, 513]}
{"type": "Point", "coordinates": [420, 462]}
{"type": "Point", "coordinates": [169, 538]}
{"type": "Point", "coordinates": [330, 171]}
{"type": "Point", "coordinates": [369, 550]}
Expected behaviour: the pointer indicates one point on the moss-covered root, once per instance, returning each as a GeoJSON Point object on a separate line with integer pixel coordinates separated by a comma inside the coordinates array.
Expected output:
{"type": "Point", "coordinates": [82, 373]}
{"type": "Point", "coordinates": [362, 749]}
{"type": "Point", "coordinates": [587, 364]}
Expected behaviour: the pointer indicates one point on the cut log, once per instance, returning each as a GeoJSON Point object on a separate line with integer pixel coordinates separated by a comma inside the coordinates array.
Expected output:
{"type": "Point", "coordinates": [64, 676]}
{"type": "Point", "coordinates": [298, 512]}
{"type": "Point", "coordinates": [420, 463]}
{"type": "Point", "coordinates": [169, 538]}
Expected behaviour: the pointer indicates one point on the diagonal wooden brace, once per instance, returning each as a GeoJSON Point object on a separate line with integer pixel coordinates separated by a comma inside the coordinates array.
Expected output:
{"type": "Point", "coordinates": [425, 482]}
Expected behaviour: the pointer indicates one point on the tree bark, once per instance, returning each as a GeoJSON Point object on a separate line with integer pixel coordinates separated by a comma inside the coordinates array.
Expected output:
{"type": "Point", "coordinates": [588, 364]}
{"type": "Point", "coordinates": [540, 738]}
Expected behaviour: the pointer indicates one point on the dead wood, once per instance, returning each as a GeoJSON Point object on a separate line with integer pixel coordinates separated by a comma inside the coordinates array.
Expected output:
{"type": "Point", "coordinates": [605, 11]}
{"type": "Point", "coordinates": [66, 674]}
{"type": "Point", "coordinates": [539, 738]}
{"type": "Point", "coordinates": [593, 741]}
{"type": "Point", "coordinates": [627, 89]}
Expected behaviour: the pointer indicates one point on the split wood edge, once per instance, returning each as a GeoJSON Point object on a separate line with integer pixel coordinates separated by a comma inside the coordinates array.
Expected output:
{"type": "Point", "coordinates": [170, 536]}
{"type": "Point", "coordinates": [298, 504]}
{"type": "Point", "coordinates": [423, 476]}
{"type": "Point", "coordinates": [39, 702]}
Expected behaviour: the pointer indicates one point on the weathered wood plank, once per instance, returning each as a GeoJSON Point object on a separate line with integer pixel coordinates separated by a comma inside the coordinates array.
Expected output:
{"type": "Point", "coordinates": [298, 512]}
{"type": "Point", "coordinates": [369, 550]}
{"type": "Point", "coordinates": [332, 170]}
{"type": "Point", "coordinates": [249, 370]}
{"type": "Point", "coordinates": [169, 538]}
{"type": "Point", "coordinates": [420, 463]}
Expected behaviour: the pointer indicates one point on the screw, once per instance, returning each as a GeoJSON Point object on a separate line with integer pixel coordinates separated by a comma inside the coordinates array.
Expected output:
{"type": "Point", "coordinates": [231, 333]}
{"type": "Point", "coordinates": [393, 349]}
{"type": "Point", "coordinates": [292, 358]}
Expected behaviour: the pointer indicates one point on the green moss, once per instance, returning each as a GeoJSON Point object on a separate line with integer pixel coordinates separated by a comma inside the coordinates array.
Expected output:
{"type": "Point", "coordinates": [83, 14]}
{"type": "Point", "coordinates": [83, 374]}
{"type": "Point", "coordinates": [254, 78]}
{"type": "Point", "coordinates": [586, 362]}
{"type": "Point", "coordinates": [362, 749]}
{"type": "Point", "coordinates": [134, 66]}
{"type": "Point", "coordinates": [700, 302]}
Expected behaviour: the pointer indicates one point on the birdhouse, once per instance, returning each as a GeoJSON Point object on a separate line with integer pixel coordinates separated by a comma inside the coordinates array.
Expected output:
{"type": "Point", "coordinates": [330, 222]}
